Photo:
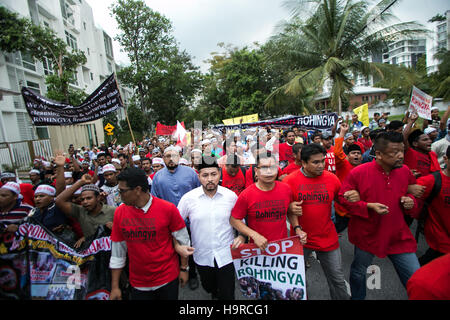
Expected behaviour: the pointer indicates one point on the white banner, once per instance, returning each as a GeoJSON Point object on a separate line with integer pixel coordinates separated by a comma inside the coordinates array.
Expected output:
{"type": "Point", "coordinates": [421, 103]}
{"type": "Point", "coordinates": [277, 273]}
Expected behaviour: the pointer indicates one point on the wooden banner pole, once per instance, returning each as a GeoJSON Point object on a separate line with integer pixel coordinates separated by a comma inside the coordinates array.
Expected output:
{"type": "Point", "coordinates": [126, 113]}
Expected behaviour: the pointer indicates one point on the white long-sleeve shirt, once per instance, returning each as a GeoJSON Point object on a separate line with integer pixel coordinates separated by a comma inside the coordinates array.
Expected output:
{"type": "Point", "coordinates": [211, 232]}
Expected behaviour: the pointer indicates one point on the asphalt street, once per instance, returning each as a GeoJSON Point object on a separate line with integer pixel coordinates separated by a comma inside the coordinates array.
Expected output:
{"type": "Point", "coordinates": [317, 288]}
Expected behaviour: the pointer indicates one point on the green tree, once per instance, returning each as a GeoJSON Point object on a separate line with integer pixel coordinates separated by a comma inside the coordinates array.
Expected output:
{"type": "Point", "coordinates": [333, 43]}
{"type": "Point", "coordinates": [20, 34]}
{"type": "Point", "coordinates": [164, 77]}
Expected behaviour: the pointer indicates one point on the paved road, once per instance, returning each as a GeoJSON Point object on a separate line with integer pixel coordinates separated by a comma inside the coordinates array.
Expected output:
{"type": "Point", "coordinates": [317, 288]}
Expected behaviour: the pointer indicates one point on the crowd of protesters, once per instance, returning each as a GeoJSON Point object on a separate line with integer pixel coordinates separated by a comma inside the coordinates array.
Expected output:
{"type": "Point", "coordinates": [174, 209]}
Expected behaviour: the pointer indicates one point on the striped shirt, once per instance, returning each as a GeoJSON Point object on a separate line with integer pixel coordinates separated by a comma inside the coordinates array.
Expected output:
{"type": "Point", "coordinates": [16, 214]}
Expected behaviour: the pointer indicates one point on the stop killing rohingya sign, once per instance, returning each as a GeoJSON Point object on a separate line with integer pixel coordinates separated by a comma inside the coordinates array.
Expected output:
{"type": "Point", "coordinates": [421, 103]}
{"type": "Point", "coordinates": [103, 100]}
{"type": "Point", "coordinates": [277, 273]}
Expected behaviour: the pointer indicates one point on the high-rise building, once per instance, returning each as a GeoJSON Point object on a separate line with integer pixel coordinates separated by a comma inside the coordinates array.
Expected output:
{"type": "Point", "coordinates": [73, 21]}
{"type": "Point", "coordinates": [405, 52]}
{"type": "Point", "coordinates": [439, 41]}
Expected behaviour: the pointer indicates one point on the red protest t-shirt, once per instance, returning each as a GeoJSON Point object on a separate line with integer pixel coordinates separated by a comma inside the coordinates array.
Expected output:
{"type": "Point", "coordinates": [249, 175]}
{"type": "Point", "coordinates": [317, 195]}
{"type": "Point", "coordinates": [437, 224]}
{"type": "Point", "coordinates": [236, 183]}
{"type": "Point", "coordinates": [265, 211]}
{"type": "Point", "coordinates": [425, 163]}
{"type": "Point", "coordinates": [291, 168]}
{"type": "Point", "coordinates": [367, 143]}
{"type": "Point", "coordinates": [153, 260]}
{"type": "Point", "coordinates": [330, 161]}
{"type": "Point", "coordinates": [286, 153]}
{"type": "Point", "coordinates": [431, 282]}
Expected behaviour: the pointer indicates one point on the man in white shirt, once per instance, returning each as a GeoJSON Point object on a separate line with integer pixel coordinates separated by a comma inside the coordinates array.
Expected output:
{"type": "Point", "coordinates": [208, 208]}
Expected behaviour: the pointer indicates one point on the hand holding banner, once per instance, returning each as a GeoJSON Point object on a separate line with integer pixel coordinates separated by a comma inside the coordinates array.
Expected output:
{"type": "Point", "coordinates": [421, 103]}
{"type": "Point", "coordinates": [277, 273]}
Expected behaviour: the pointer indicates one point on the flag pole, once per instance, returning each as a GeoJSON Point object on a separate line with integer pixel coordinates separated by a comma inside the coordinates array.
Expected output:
{"type": "Point", "coordinates": [126, 113]}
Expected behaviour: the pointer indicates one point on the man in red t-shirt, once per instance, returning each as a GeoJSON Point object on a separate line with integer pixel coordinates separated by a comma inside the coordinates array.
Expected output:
{"type": "Point", "coordinates": [297, 164]}
{"type": "Point", "coordinates": [418, 155]}
{"type": "Point", "coordinates": [431, 282]}
{"type": "Point", "coordinates": [264, 205]}
{"type": "Point", "coordinates": [144, 227]}
{"type": "Point", "coordinates": [233, 176]}
{"type": "Point", "coordinates": [437, 223]}
{"type": "Point", "coordinates": [314, 190]}
{"type": "Point", "coordinates": [327, 143]}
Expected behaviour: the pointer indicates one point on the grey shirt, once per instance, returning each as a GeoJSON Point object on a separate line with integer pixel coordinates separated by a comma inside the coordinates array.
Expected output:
{"type": "Point", "coordinates": [90, 223]}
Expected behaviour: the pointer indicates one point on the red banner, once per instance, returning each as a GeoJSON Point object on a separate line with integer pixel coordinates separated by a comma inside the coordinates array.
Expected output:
{"type": "Point", "coordinates": [163, 130]}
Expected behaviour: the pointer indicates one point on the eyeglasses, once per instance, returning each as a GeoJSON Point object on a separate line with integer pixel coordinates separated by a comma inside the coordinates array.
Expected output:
{"type": "Point", "coordinates": [121, 191]}
{"type": "Point", "coordinates": [267, 168]}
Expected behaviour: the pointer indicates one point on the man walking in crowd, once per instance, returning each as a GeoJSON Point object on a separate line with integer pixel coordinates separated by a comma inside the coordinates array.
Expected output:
{"type": "Point", "coordinates": [264, 205]}
{"type": "Point", "coordinates": [111, 187]}
{"type": "Point", "coordinates": [143, 229]}
{"type": "Point", "coordinates": [12, 210]}
{"type": "Point", "coordinates": [377, 226]}
{"type": "Point", "coordinates": [92, 213]}
{"type": "Point", "coordinates": [418, 155]}
{"type": "Point", "coordinates": [157, 165]}
{"type": "Point", "coordinates": [233, 177]}
{"type": "Point", "coordinates": [344, 164]}
{"type": "Point", "coordinates": [297, 164]}
{"type": "Point", "coordinates": [327, 143]}
{"type": "Point", "coordinates": [437, 221]}
{"type": "Point", "coordinates": [314, 190]}
{"type": "Point", "coordinates": [286, 154]}
{"type": "Point", "coordinates": [208, 209]}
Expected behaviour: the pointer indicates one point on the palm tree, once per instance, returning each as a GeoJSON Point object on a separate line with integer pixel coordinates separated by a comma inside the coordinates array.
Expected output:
{"type": "Point", "coordinates": [332, 43]}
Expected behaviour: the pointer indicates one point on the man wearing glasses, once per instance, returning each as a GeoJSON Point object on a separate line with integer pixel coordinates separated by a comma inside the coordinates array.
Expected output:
{"type": "Point", "coordinates": [264, 205]}
{"type": "Point", "coordinates": [144, 228]}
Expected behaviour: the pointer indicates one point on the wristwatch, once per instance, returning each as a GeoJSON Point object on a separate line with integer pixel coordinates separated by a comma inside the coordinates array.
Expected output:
{"type": "Point", "coordinates": [184, 269]}
{"type": "Point", "coordinates": [298, 227]}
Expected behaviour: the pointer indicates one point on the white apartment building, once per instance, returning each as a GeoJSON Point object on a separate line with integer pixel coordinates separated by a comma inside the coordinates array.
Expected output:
{"type": "Point", "coordinates": [439, 40]}
{"type": "Point", "coordinates": [73, 21]}
{"type": "Point", "coordinates": [405, 52]}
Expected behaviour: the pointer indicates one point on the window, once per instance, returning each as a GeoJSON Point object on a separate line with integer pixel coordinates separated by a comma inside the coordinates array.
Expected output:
{"type": "Point", "coordinates": [88, 51]}
{"type": "Point", "coordinates": [28, 61]}
{"type": "Point", "coordinates": [108, 45]}
{"type": "Point", "coordinates": [92, 76]}
{"type": "Point", "coordinates": [110, 67]}
{"type": "Point", "coordinates": [42, 133]}
{"type": "Point", "coordinates": [84, 25]}
{"type": "Point", "coordinates": [71, 40]}
{"type": "Point", "coordinates": [67, 12]}
{"type": "Point", "coordinates": [34, 86]}
{"type": "Point", "coordinates": [74, 79]}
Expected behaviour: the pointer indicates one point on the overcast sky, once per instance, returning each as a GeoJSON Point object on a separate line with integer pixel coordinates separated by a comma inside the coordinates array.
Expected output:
{"type": "Point", "coordinates": [200, 24]}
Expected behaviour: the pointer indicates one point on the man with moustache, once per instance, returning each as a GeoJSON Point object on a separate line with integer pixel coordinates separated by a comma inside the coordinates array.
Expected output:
{"type": "Point", "coordinates": [92, 213]}
{"type": "Point", "coordinates": [264, 205]}
{"type": "Point", "coordinates": [377, 226]}
{"type": "Point", "coordinates": [147, 230]}
{"type": "Point", "coordinates": [208, 209]}
{"type": "Point", "coordinates": [314, 190]}
{"type": "Point", "coordinates": [418, 155]}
